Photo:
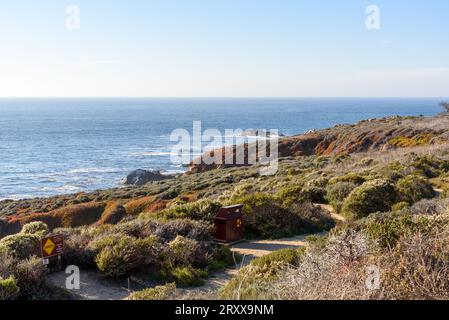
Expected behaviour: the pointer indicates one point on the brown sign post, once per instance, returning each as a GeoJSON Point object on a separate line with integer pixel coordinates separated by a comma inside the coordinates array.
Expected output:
{"type": "Point", "coordinates": [52, 246]}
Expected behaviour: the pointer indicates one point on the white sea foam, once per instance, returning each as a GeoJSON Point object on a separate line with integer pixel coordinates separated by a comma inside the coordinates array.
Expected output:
{"type": "Point", "coordinates": [66, 188]}
{"type": "Point", "coordinates": [93, 170]}
{"type": "Point", "coordinates": [163, 154]}
{"type": "Point", "coordinates": [69, 188]}
{"type": "Point", "coordinates": [18, 197]}
{"type": "Point", "coordinates": [170, 172]}
{"type": "Point", "coordinates": [157, 154]}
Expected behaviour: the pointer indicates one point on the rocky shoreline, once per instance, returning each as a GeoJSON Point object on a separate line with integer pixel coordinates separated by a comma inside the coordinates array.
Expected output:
{"type": "Point", "coordinates": [344, 139]}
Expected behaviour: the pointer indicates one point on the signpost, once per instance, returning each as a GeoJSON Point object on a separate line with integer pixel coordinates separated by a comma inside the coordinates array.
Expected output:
{"type": "Point", "coordinates": [52, 246]}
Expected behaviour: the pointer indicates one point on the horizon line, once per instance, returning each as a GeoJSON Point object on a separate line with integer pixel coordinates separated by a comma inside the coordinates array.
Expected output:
{"type": "Point", "coordinates": [218, 97]}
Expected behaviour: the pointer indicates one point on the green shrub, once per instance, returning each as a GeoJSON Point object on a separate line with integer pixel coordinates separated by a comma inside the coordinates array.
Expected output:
{"type": "Point", "coordinates": [269, 221]}
{"type": "Point", "coordinates": [366, 162]}
{"type": "Point", "coordinates": [373, 196]}
{"type": "Point", "coordinates": [50, 219]}
{"type": "Point", "coordinates": [400, 206]}
{"type": "Point", "coordinates": [8, 289]}
{"type": "Point", "coordinates": [192, 229]}
{"type": "Point", "coordinates": [108, 240]}
{"type": "Point", "coordinates": [317, 242]}
{"type": "Point", "coordinates": [350, 177]}
{"type": "Point", "coordinates": [29, 275]}
{"type": "Point", "coordinates": [394, 171]}
{"type": "Point", "coordinates": [336, 193]}
{"type": "Point", "coordinates": [35, 228]}
{"type": "Point", "coordinates": [169, 194]}
{"type": "Point", "coordinates": [183, 252]}
{"type": "Point", "coordinates": [204, 209]}
{"type": "Point", "coordinates": [311, 218]}
{"type": "Point", "coordinates": [24, 278]}
{"type": "Point", "coordinates": [260, 199]}
{"type": "Point", "coordinates": [430, 166]}
{"type": "Point", "coordinates": [221, 258]}
{"type": "Point", "coordinates": [286, 256]}
{"type": "Point", "coordinates": [188, 276]}
{"type": "Point", "coordinates": [312, 194]}
{"type": "Point", "coordinates": [340, 158]}
{"type": "Point", "coordinates": [412, 189]}
{"type": "Point", "coordinates": [266, 217]}
{"type": "Point", "coordinates": [117, 259]}
{"type": "Point", "coordinates": [76, 247]}
{"type": "Point", "coordinates": [272, 220]}
{"type": "Point", "coordinates": [136, 228]}
{"type": "Point", "coordinates": [387, 228]}
{"type": "Point", "coordinates": [320, 182]}
{"type": "Point", "coordinates": [21, 246]}
{"type": "Point", "coordinates": [164, 292]}
{"type": "Point", "coordinates": [286, 195]}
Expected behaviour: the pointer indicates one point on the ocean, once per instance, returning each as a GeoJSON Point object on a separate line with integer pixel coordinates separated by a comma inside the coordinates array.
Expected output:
{"type": "Point", "coordinates": [58, 146]}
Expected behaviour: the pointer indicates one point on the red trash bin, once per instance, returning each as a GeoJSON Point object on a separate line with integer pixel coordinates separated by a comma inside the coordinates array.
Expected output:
{"type": "Point", "coordinates": [229, 224]}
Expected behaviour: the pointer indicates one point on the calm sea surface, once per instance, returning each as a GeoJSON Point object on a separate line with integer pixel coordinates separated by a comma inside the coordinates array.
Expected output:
{"type": "Point", "coordinates": [56, 146]}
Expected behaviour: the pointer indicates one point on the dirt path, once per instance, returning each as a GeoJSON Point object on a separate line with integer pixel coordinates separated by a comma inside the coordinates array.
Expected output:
{"type": "Point", "coordinates": [253, 249]}
{"type": "Point", "coordinates": [330, 209]}
{"type": "Point", "coordinates": [248, 250]}
{"type": "Point", "coordinates": [259, 248]}
{"type": "Point", "coordinates": [94, 287]}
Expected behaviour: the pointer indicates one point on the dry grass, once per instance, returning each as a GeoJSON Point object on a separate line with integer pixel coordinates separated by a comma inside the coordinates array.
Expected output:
{"type": "Point", "coordinates": [137, 206]}
{"type": "Point", "coordinates": [335, 273]}
{"type": "Point", "coordinates": [69, 217]}
{"type": "Point", "coordinates": [418, 268]}
{"type": "Point", "coordinates": [113, 213]}
{"type": "Point", "coordinates": [387, 156]}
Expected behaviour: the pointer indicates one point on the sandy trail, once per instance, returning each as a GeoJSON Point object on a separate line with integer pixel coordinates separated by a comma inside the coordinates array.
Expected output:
{"type": "Point", "coordinates": [94, 287]}
{"type": "Point", "coordinates": [259, 248]}
{"type": "Point", "coordinates": [253, 249]}
{"type": "Point", "coordinates": [248, 250]}
{"type": "Point", "coordinates": [334, 215]}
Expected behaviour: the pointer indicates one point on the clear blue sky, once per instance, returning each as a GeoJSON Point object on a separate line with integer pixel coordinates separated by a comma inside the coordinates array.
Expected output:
{"type": "Point", "coordinates": [225, 48]}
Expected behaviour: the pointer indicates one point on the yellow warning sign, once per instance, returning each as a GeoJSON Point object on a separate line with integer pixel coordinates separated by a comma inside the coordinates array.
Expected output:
{"type": "Point", "coordinates": [52, 245]}
{"type": "Point", "coordinates": [49, 246]}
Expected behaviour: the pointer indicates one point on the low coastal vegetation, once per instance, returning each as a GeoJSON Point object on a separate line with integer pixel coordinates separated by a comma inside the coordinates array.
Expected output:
{"type": "Point", "coordinates": [391, 191]}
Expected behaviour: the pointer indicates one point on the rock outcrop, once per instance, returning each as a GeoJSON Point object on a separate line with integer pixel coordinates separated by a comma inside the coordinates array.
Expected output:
{"type": "Point", "coordinates": [141, 177]}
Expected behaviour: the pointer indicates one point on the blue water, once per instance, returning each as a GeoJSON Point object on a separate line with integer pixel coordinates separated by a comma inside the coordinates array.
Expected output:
{"type": "Point", "coordinates": [57, 146]}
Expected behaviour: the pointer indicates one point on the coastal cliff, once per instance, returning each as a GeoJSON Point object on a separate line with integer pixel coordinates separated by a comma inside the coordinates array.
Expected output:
{"type": "Point", "coordinates": [367, 135]}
